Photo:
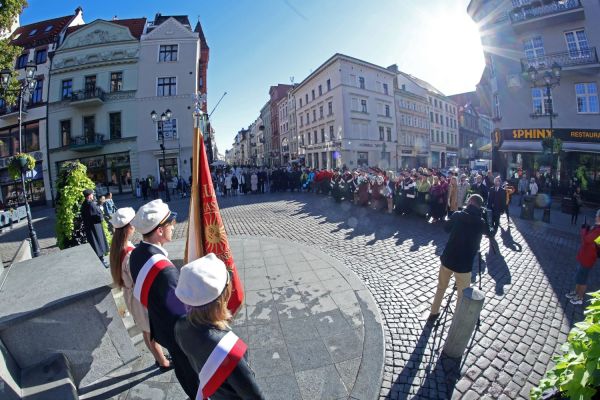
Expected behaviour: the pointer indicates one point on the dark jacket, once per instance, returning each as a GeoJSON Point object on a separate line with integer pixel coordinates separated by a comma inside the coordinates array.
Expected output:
{"type": "Point", "coordinates": [91, 216]}
{"type": "Point", "coordinates": [480, 189]}
{"type": "Point", "coordinates": [197, 342]}
{"type": "Point", "coordinates": [466, 228]}
{"type": "Point", "coordinates": [164, 308]}
{"type": "Point", "coordinates": [497, 200]}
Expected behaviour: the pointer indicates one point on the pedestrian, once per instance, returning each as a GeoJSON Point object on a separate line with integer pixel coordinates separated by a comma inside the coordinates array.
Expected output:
{"type": "Point", "coordinates": [463, 189]}
{"type": "Point", "coordinates": [466, 229]}
{"type": "Point", "coordinates": [586, 256]}
{"type": "Point", "coordinates": [228, 184]}
{"type": "Point", "coordinates": [144, 187]}
{"type": "Point", "coordinates": [523, 188]}
{"type": "Point", "coordinates": [91, 217]}
{"type": "Point", "coordinates": [120, 250]}
{"type": "Point", "coordinates": [496, 203]}
{"type": "Point", "coordinates": [109, 206]}
{"type": "Point", "coordinates": [254, 182]}
{"type": "Point", "coordinates": [215, 352]}
{"type": "Point", "coordinates": [533, 187]}
{"type": "Point", "coordinates": [509, 190]}
{"type": "Point", "coordinates": [453, 195]}
{"type": "Point", "coordinates": [576, 203]}
{"type": "Point", "coordinates": [479, 188]}
{"type": "Point", "coordinates": [234, 185]}
{"type": "Point", "coordinates": [138, 188]}
{"type": "Point", "coordinates": [155, 279]}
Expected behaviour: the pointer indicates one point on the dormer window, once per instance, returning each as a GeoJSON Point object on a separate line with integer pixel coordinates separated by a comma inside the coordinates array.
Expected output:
{"type": "Point", "coordinates": [33, 32]}
{"type": "Point", "coordinates": [48, 28]}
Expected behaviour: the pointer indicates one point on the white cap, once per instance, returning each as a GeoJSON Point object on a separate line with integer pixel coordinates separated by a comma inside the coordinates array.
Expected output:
{"type": "Point", "coordinates": [152, 214]}
{"type": "Point", "coordinates": [122, 217]}
{"type": "Point", "coordinates": [202, 281]}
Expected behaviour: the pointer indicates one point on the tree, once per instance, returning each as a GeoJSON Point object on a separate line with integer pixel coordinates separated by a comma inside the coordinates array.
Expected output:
{"type": "Point", "coordinates": [9, 11]}
{"type": "Point", "coordinates": [70, 184]}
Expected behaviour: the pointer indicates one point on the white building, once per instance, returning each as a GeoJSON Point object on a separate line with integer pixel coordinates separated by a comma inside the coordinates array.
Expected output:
{"type": "Point", "coordinates": [412, 122]}
{"type": "Point", "coordinates": [37, 41]}
{"type": "Point", "coordinates": [344, 115]}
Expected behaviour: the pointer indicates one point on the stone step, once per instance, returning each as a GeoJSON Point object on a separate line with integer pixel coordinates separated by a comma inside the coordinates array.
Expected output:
{"type": "Point", "coordinates": [134, 332]}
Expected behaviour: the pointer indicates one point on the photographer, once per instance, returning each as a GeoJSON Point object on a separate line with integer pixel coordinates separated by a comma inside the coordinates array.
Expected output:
{"type": "Point", "coordinates": [586, 256]}
{"type": "Point", "coordinates": [466, 228]}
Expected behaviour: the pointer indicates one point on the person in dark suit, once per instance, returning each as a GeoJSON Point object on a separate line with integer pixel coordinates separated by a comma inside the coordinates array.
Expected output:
{"type": "Point", "coordinates": [91, 216]}
{"type": "Point", "coordinates": [479, 188]}
{"type": "Point", "coordinates": [496, 202]}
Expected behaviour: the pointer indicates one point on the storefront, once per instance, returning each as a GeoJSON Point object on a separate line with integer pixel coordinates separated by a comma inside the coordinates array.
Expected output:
{"type": "Point", "coordinates": [11, 192]}
{"type": "Point", "coordinates": [110, 172]}
{"type": "Point", "coordinates": [568, 156]}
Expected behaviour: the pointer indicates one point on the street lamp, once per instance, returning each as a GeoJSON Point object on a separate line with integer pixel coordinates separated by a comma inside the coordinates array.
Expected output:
{"type": "Point", "coordinates": [164, 117]}
{"type": "Point", "coordinates": [470, 151]}
{"type": "Point", "coordinates": [23, 90]}
{"type": "Point", "coordinates": [547, 80]}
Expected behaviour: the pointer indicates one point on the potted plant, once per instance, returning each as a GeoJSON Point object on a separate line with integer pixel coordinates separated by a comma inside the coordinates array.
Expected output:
{"type": "Point", "coordinates": [20, 162]}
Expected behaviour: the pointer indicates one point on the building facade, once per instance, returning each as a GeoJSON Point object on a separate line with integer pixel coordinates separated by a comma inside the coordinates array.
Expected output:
{"type": "Point", "coordinates": [344, 115]}
{"type": "Point", "coordinates": [533, 123]}
{"type": "Point", "coordinates": [265, 117]}
{"type": "Point", "coordinates": [276, 94]}
{"type": "Point", "coordinates": [37, 40]}
{"type": "Point", "coordinates": [412, 123]}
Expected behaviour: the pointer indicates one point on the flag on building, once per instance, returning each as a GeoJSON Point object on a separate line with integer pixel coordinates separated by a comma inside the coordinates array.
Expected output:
{"type": "Point", "coordinates": [206, 233]}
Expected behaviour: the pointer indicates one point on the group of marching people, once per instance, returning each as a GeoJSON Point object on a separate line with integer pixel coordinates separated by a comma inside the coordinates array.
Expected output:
{"type": "Point", "coordinates": [185, 311]}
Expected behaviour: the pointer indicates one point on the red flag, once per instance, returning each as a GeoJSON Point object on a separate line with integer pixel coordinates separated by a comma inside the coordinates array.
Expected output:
{"type": "Point", "coordinates": [206, 233]}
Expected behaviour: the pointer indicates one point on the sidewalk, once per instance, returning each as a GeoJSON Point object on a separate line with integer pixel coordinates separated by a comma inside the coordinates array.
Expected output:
{"type": "Point", "coordinates": [312, 328]}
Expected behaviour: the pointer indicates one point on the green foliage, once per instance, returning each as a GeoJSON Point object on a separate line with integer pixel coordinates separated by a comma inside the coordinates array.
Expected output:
{"type": "Point", "coordinates": [582, 177]}
{"type": "Point", "coordinates": [70, 184]}
{"type": "Point", "coordinates": [14, 167]}
{"type": "Point", "coordinates": [9, 10]}
{"type": "Point", "coordinates": [577, 371]}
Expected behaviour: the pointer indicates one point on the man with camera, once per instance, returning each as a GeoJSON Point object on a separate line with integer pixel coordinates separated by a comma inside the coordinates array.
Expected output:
{"type": "Point", "coordinates": [466, 228]}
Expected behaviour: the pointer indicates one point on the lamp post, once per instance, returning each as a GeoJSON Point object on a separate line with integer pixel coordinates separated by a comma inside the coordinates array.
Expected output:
{"type": "Point", "coordinates": [24, 88]}
{"type": "Point", "coordinates": [547, 80]}
{"type": "Point", "coordinates": [164, 117]}
{"type": "Point", "coordinates": [470, 151]}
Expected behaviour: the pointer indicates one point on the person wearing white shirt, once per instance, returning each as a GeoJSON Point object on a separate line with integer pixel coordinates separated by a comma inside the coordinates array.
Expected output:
{"type": "Point", "coordinates": [533, 187]}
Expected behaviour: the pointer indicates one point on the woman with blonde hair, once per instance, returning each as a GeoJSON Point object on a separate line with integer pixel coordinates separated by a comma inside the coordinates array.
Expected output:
{"type": "Point", "coordinates": [216, 354]}
{"type": "Point", "coordinates": [120, 250]}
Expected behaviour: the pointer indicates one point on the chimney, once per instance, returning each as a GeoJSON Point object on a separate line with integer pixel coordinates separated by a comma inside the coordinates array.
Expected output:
{"type": "Point", "coordinates": [393, 68]}
{"type": "Point", "coordinates": [78, 11]}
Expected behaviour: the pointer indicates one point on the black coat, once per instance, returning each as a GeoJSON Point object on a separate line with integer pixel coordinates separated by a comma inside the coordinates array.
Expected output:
{"type": "Point", "coordinates": [480, 189]}
{"type": "Point", "coordinates": [466, 228]}
{"type": "Point", "coordinates": [91, 216]}
{"type": "Point", "coordinates": [197, 342]}
{"type": "Point", "coordinates": [497, 201]}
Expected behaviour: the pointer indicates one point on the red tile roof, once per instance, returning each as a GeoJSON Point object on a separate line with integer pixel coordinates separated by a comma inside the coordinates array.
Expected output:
{"type": "Point", "coordinates": [39, 33]}
{"type": "Point", "coordinates": [135, 26]}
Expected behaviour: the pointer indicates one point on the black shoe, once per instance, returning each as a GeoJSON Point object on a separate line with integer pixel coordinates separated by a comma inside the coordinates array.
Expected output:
{"type": "Point", "coordinates": [432, 318]}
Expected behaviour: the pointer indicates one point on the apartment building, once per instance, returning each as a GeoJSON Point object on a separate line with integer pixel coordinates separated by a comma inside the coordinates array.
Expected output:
{"type": "Point", "coordinates": [412, 123]}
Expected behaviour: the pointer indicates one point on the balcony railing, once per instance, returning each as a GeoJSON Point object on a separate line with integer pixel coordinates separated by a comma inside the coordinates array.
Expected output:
{"type": "Point", "coordinates": [9, 111]}
{"type": "Point", "coordinates": [531, 12]}
{"type": "Point", "coordinates": [96, 94]}
{"type": "Point", "coordinates": [564, 59]}
{"type": "Point", "coordinates": [87, 142]}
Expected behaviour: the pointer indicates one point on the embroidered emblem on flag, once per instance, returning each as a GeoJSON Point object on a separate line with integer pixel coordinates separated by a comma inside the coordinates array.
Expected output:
{"type": "Point", "coordinates": [146, 277]}
{"type": "Point", "coordinates": [219, 365]}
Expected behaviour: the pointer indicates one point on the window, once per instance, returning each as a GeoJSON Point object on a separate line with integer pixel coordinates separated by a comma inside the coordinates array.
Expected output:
{"type": "Point", "coordinates": [306, 98]}
{"type": "Point", "coordinates": [309, 138]}
{"type": "Point", "coordinates": [90, 83]}
{"type": "Point", "coordinates": [40, 56]}
{"type": "Point", "coordinates": [301, 103]}
{"type": "Point", "coordinates": [301, 120]}
{"type": "Point", "coordinates": [170, 167]}
{"type": "Point", "coordinates": [36, 95]}
{"type": "Point", "coordinates": [387, 110]}
{"type": "Point", "coordinates": [448, 137]}
{"type": "Point", "coordinates": [65, 132]}
{"type": "Point", "coordinates": [542, 103]}
{"type": "Point", "coordinates": [361, 82]}
{"type": "Point", "coordinates": [436, 119]}
{"type": "Point", "coordinates": [331, 135]}
{"type": "Point", "coordinates": [116, 81]}
{"type": "Point", "coordinates": [314, 115]}
{"type": "Point", "coordinates": [496, 106]}
{"type": "Point", "coordinates": [330, 108]}
{"type": "Point", "coordinates": [447, 122]}
{"type": "Point", "coordinates": [307, 119]}
{"type": "Point", "coordinates": [363, 105]}
{"type": "Point", "coordinates": [114, 120]}
{"type": "Point", "coordinates": [577, 44]}
{"type": "Point", "coordinates": [167, 53]}
{"type": "Point", "coordinates": [315, 136]}
{"type": "Point", "coordinates": [323, 135]}
{"type": "Point", "coordinates": [313, 94]}
{"type": "Point", "coordinates": [389, 133]}
{"type": "Point", "coordinates": [381, 133]}
{"type": "Point", "coordinates": [534, 48]}
{"type": "Point", "coordinates": [328, 85]}
{"type": "Point", "coordinates": [31, 137]}
{"type": "Point", "coordinates": [587, 98]}
{"type": "Point", "coordinates": [67, 89]}
{"type": "Point", "coordinates": [431, 115]}
{"type": "Point", "coordinates": [89, 126]}
{"type": "Point", "coordinates": [385, 88]}
{"type": "Point", "coordinates": [167, 128]}
{"type": "Point", "coordinates": [22, 61]}
{"type": "Point", "coordinates": [362, 158]}
{"type": "Point", "coordinates": [167, 86]}
{"type": "Point", "coordinates": [320, 90]}
{"type": "Point", "coordinates": [320, 112]}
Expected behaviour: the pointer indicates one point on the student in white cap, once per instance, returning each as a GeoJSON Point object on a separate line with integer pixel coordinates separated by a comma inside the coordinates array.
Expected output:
{"type": "Point", "coordinates": [217, 355]}
{"type": "Point", "coordinates": [120, 250]}
{"type": "Point", "coordinates": [155, 280]}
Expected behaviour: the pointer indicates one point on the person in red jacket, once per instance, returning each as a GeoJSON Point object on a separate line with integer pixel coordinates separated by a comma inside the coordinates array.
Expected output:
{"type": "Point", "coordinates": [586, 256]}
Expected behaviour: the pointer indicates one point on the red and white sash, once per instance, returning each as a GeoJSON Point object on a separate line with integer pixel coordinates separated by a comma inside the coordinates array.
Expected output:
{"type": "Point", "coordinates": [219, 365]}
{"type": "Point", "coordinates": [147, 275]}
{"type": "Point", "coordinates": [125, 252]}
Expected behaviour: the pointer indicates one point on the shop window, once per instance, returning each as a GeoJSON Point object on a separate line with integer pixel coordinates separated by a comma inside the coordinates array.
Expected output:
{"type": "Point", "coordinates": [169, 168]}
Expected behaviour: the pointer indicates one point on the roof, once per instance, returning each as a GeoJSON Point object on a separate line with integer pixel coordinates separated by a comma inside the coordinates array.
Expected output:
{"type": "Point", "coordinates": [198, 29]}
{"type": "Point", "coordinates": [159, 19]}
{"type": "Point", "coordinates": [39, 33]}
{"type": "Point", "coordinates": [462, 99]}
{"type": "Point", "coordinates": [425, 85]}
{"type": "Point", "coordinates": [135, 26]}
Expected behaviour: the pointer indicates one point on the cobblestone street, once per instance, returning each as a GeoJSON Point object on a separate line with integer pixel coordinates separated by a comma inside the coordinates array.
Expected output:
{"type": "Point", "coordinates": [525, 319]}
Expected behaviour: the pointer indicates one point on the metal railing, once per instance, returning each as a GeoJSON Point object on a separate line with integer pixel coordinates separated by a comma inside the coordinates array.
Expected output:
{"type": "Point", "coordinates": [94, 138]}
{"type": "Point", "coordinates": [564, 59]}
{"type": "Point", "coordinates": [10, 109]}
{"type": "Point", "coordinates": [526, 13]}
{"type": "Point", "coordinates": [80, 95]}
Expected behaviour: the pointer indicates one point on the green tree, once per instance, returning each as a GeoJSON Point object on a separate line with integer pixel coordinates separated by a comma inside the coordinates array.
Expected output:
{"type": "Point", "coordinates": [9, 11]}
{"type": "Point", "coordinates": [70, 184]}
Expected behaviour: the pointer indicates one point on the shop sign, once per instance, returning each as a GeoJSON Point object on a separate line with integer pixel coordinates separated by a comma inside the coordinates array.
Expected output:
{"type": "Point", "coordinates": [569, 135]}
{"type": "Point", "coordinates": [409, 152]}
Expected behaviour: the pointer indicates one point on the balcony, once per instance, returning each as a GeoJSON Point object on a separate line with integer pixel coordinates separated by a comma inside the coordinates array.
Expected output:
{"type": "Point", "coordinates": [8, 112]}
{"type": "Point", "coordinates": [537, 14]}
{"type": "Point", "coordinates": [88, 142]}
{"type": "Point", "coordinates": [86, 98]}
{"type": "Point", "coordinates": [568, 60]}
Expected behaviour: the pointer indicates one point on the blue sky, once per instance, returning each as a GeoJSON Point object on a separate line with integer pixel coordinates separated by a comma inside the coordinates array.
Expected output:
{"type": "Point", "coordinates": [258, 43]}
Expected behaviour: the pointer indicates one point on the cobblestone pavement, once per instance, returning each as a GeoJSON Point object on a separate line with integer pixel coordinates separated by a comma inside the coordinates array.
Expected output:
{"type": "Point", "coordinates": [525, 317]}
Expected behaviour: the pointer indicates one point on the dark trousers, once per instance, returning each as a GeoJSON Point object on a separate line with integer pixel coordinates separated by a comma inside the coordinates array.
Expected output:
{"type": "Point", "coordinates": [495, 221]}
{"type": "Point", "coordinates": [184, 372]}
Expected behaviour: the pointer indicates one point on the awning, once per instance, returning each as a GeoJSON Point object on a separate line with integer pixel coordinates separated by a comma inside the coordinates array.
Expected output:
{"type": "Point", "coordinates": [522, 146]}
{"type": "Point", "coordinates": [486, 148]}
{"type": "Point", "coordinates": [581, 147]}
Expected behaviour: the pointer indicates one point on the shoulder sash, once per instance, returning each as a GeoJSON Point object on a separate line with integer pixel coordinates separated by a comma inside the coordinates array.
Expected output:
{"type": "Point", "coordinates": [147, 275]}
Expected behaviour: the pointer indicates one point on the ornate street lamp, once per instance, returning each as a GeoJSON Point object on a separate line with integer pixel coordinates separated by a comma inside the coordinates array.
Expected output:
{"type": "Point", "coordinates": [164, 117]}
{"type": "Point", "coordinates": [23, 90]}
